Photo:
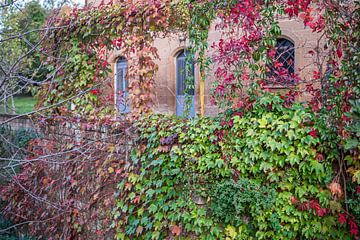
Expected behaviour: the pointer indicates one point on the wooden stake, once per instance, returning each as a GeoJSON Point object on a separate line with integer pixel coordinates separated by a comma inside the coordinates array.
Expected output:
{"type": "Point", "coordinates": [202, 93]}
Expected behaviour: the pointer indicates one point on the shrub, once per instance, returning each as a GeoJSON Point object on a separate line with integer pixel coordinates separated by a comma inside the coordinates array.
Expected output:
{"type": "Point", "coordinates": [14, 142]}
{"type": "Point", "coordinates": [11, 234]}
{"type": "Point", "coordinates": [234, 202]}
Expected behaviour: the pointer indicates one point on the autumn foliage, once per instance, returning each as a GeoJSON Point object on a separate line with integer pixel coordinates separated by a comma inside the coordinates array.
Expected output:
{"type": "Point", "coordinates": [145, 176]}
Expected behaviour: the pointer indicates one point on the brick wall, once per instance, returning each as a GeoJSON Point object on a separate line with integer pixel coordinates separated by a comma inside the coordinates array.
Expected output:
{"type": "Point", "coordinates": [15, 122]}
{"type": "Point", "coordinates": [165, 100]}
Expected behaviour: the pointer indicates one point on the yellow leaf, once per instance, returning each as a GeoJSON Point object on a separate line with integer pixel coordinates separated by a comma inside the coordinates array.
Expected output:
{"type": "Point", "coordinates": [230, 232]}
{"type": "Point", "coordinates": [263, 122]}
{"type": "Point", "coordinates": [111, 149]}
{"type": "Point", "coordinates": [111, 170]}
{"type": "Point", "coordinates": [137, 91]}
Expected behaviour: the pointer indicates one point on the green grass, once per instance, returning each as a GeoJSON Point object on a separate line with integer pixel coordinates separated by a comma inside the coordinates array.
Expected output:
{"type": "Point", "coordinates": [23, 104]}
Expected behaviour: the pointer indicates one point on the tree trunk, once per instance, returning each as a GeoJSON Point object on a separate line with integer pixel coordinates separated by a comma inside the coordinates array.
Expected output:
{"type": "Point", "coordinates": [12, 105]}
{"type": "Point", "coordinates": [5, 102]}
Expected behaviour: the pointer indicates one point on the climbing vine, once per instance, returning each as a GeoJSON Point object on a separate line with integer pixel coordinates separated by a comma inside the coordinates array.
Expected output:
{"type": "Point", "coordinates": [268, 167]}
{"type": "Point", "coordinates": [266, 174]}
{"type": "Point", "coordinates": [83, 40]}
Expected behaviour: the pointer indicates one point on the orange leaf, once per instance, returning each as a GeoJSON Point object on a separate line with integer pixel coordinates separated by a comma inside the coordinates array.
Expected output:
{"type": "Point", "coordinates": [136, 199]}
{"type": "Point", "coordinates": [335, 189]}
{"type": "Point", "coordinates": [176, 230]}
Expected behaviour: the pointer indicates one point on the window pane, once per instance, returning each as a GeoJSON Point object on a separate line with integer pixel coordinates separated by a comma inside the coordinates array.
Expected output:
{"type": "Point", "coordinates": [121, 82]}
{"type": "Point", "coordinates": [121, 87]}
{"type": "Point", "coordinates": [284, 66]}
{"type": "Point", "coordinates": [182, 73]}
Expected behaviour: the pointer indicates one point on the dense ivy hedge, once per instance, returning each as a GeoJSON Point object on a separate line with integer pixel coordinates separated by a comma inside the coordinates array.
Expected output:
{"type": "Point", "coordinates": [260, 174]}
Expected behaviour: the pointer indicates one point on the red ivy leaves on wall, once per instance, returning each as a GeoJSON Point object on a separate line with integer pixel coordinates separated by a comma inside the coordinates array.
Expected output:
{"type": "Point", "coordinates": [350, 220]}
{"type": "Point", "coordinates": [310, 205]}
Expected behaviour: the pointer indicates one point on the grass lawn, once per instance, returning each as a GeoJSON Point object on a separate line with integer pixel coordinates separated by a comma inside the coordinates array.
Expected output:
{"type": "Point", "coordinates": [23, 104]}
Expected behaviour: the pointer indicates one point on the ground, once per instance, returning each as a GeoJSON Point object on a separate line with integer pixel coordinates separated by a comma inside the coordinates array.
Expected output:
{"type": "Point", "coordinates": [23, 104]}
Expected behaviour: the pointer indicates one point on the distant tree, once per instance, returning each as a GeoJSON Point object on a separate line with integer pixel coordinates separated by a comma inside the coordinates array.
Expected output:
{"type": "Point", "coordinates": [20, 62]}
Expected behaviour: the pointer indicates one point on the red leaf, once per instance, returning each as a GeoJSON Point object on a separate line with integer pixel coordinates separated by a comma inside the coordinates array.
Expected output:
{"type": "Point", "coordinates": [316, 75]}
{"type": "Point", "coordinates": [136, 199]}
{"type": "Point", "coordinates": [313, 133]}
{"type": "Point", "coordinates": [104, 64]}
{"type": "Point", "coordinates": [354, 230]}
{"type": "Point", "coordinates": [342, 218]}
{"type": "Point", "coordinates": [321, 212]}
{"type": "Point", "coordinates": [294, 200]}
{"type": "Point", "coordinates": [95, 91]}
{"type": "Point", "coordinates": [338, 51]}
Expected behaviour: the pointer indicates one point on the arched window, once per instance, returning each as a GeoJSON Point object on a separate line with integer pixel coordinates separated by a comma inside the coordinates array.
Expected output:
{"type": "Point", "coordinates": [121, 85]}
{"type": "Point", "coordinates": [283, 66]}
{"type": "Point", "coordinates": [184, 84]}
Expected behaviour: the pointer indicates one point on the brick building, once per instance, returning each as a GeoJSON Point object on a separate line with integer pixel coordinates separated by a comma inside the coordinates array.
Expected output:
{"type": "Point", "coordinates": [169, 79]}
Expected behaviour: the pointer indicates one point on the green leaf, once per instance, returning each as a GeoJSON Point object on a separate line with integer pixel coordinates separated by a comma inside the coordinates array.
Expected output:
{"type": "Point", "coordinates": [152, 208]}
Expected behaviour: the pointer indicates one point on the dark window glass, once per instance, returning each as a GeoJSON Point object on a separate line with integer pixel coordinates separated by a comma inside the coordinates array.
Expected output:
{"type": "Point", "coordinates": [284, 63]}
